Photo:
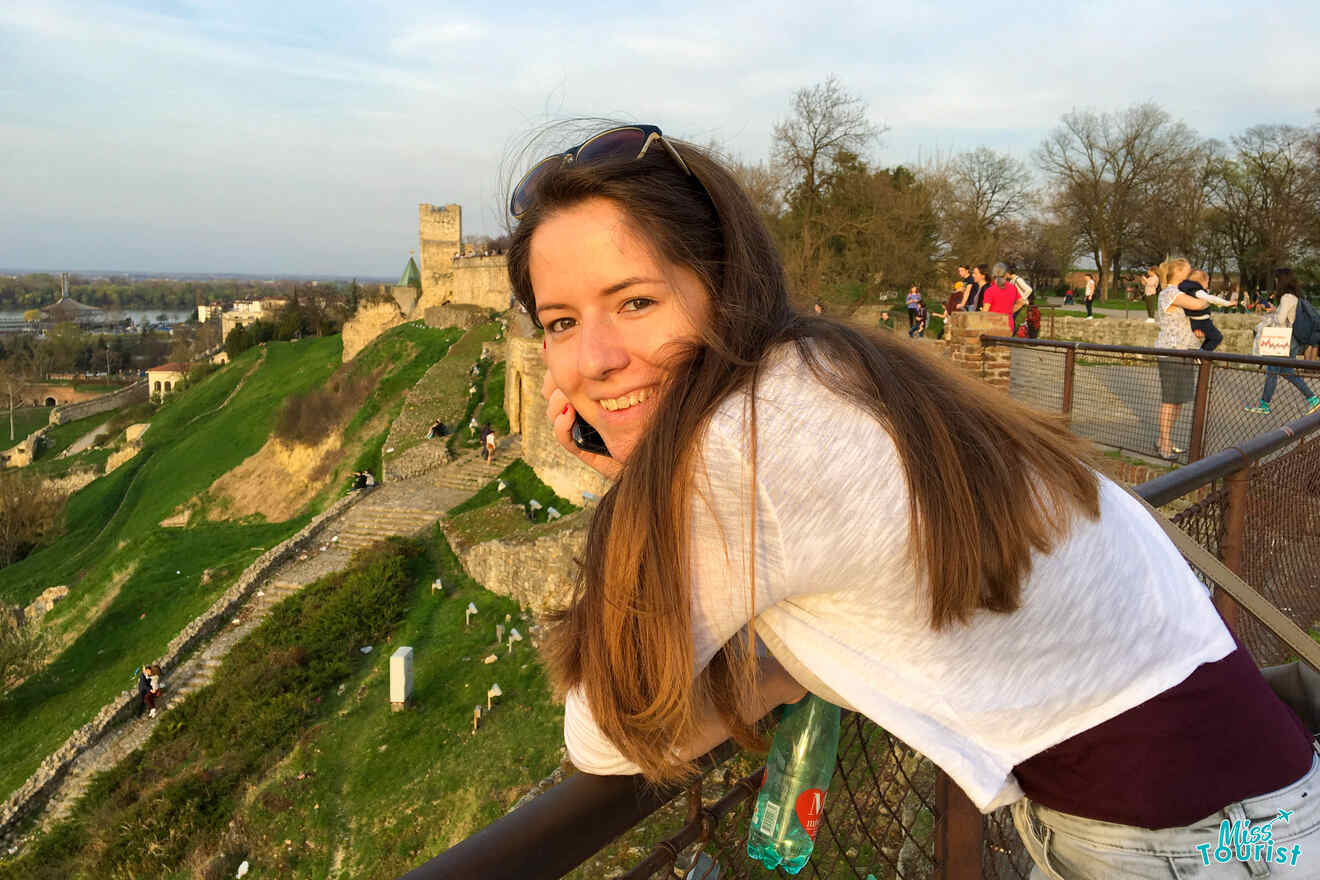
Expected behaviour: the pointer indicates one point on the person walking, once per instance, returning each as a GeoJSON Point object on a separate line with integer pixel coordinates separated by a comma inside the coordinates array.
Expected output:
{"type": "Point", "coordinates": [154, 690]}
{"type": "Point", "coordinates": [773, 484]}
{"type": "Point", "coordinates": [1090, 295]}
{"type": "Point", "coordinates": [1150, 283]}
{"type": "Point", "coordinates": [1177, 375]}
{"type": "Point", "coordinates": [1284, 315]}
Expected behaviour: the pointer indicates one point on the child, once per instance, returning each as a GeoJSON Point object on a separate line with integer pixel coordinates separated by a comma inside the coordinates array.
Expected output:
{"type": "Point", "coordinates": [1202, 326]}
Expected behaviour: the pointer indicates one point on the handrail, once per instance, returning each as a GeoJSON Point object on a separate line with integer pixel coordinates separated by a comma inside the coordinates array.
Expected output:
{"type": "Point", "coordinates": [1179, 482]}
{"type": "Point", "coordinates": [1224, 356]}
{"type": "Point", "coordinates": [558, 830]}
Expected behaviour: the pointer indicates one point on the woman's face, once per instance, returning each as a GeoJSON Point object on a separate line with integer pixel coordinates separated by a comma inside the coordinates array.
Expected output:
{"type": "Point", "coordinates": [977, 276]}
{"type": "Point", "coordinates": [612, 313]}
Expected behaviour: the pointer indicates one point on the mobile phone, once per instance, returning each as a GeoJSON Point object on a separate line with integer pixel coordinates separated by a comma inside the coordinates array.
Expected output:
{"type": "Point", "coordinates": [587, 438]}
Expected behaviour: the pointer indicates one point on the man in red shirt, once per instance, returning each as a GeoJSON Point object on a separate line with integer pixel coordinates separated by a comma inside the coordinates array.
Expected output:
{"type": "Point", "coordinates": [1002, 295]}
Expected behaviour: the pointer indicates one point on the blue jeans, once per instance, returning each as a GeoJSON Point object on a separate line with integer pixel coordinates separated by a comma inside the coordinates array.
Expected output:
{"type": "Point", "coordinates": [1066, 847]}
{"type": "Point", "coordinates": [1272, 378]}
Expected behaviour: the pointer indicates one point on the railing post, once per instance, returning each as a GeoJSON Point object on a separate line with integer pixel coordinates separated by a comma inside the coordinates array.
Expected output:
{"type": "Point", "coordinates": [958, 842]}
{"type": "Point", "coordinates": [1069, 365]}
{"type": "Point", "coordinates": [1196, 446]}
{"type": "Point", "coordinates": [1235, 521]}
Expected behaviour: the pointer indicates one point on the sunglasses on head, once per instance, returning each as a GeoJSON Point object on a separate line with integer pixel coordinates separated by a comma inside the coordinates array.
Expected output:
{"type": "Point", "coordinates": [625, 142]}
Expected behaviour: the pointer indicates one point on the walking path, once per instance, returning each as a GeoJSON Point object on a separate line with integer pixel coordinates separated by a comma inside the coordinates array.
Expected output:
{"type": "Point", "coordinates": [406, 507]}
{"type": "Point", "coordinates": [83, 443]}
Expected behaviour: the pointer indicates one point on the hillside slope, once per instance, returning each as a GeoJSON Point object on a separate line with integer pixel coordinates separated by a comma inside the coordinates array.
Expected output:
{"type": "Point", "coordinates": [133, 584]}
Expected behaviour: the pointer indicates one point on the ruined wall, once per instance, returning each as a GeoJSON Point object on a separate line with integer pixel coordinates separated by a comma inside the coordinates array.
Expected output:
{"type": "Point", "coordinates": [1237, 330]}
{"type": "Point", "coordinates": [526, 408]}
{"type": "Point", "coordinates": [440, 231]}
{"type": "Point", "coordinates": [535, 567]}
{"type": "Point", "coordinates": [369, 322]}
{"type": "Point", "coordinates": [62, 394]}
{"type": "Point", "coordinates": [135, 393]}
{"type": "Point", "coordinates": [479, 281]}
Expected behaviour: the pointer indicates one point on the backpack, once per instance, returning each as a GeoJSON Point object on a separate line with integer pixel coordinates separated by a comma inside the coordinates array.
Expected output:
{"type": "Point", "coordinates": [1306, 324]}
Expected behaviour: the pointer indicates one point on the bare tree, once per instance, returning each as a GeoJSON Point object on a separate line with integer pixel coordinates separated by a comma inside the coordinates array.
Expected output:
{"type": "Point", "coordinates": [13, 384]}
{"type": "Point", "coordinates": [1105, 169]}
{"type": "Point", "coordinates": [1265, 200]}
{"type": "Point", "coordinates": [826, 121]}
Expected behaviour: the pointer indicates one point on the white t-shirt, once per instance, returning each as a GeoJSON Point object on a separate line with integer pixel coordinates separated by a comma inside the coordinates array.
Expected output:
{"type": "Point", "coordinates": [1112, 617]}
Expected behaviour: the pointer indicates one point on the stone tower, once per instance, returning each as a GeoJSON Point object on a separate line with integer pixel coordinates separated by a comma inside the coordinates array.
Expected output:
{"type": "Point", "coordinates": [441, 233]}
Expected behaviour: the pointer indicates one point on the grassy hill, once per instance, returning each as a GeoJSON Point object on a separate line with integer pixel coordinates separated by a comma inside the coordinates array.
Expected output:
{"type": "Point", "coordinates": [133, 584]}
{"type": "Point", "coordinates": [294, 761]}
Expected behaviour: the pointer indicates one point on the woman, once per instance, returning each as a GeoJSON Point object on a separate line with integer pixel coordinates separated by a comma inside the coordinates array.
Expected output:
{"type": "Point", "coordinates": [1285, 283]}
{"type": "Point", "coordinates": [1090, 295]}
{"type": "Point", "coordinates": [974, 292]}
{"type": "Point", "coordinates": [860, 509]}
{"type": "Point", "coordinates": [913, 304]}
{"type": "Point", "coordinates": [1177, 375]}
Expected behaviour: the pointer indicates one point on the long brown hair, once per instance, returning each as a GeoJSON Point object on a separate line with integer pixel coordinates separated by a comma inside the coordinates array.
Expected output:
{"type": "Point", "coordinates": [989, 480]}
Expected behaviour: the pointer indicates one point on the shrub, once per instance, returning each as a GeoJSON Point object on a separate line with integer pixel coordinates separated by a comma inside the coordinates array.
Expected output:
{"type": "Point", "coordinates": [309, 418]}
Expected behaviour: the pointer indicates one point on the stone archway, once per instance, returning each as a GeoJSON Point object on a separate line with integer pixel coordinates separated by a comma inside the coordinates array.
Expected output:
{"type": "Point", "coordinates": [50, 401]}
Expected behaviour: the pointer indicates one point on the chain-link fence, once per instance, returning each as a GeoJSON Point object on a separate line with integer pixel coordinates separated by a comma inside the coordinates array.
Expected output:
{"type": "Point", "coordinates": [890, 813]}
{"type": "Point", "coordinates": [1114, 395]}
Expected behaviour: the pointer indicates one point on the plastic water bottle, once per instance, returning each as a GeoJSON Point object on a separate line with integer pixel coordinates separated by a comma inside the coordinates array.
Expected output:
{"type": "Point", "coordinates": [797, 776]}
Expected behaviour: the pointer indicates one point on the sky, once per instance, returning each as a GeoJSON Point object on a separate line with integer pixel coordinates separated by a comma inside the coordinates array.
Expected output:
{"type": "Point", "coordinates": [297, 138]}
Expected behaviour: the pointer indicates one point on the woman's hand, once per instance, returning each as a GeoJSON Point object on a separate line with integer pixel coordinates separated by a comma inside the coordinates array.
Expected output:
{"type": "Point", "coordinates": [561, 414]}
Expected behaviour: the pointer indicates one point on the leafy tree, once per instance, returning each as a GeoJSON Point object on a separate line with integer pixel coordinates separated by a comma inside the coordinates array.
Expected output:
{"type": "Point", "coordinates": [826, 123]}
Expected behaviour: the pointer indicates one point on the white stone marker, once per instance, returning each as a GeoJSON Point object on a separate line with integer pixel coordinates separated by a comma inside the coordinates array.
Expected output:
{"type": "Point", "coordinates": [468, 612]}
{"type": "Point", "coordinates": [401, 678]}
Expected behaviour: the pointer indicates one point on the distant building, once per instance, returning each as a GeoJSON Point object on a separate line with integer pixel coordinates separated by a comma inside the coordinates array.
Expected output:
{"type": "Point", "coordinates": [70, 311]}
{"type": "Point", "coordinates": [208, 311]}
{"type": "Point", "coordinates": [164, 379]}
{"type": "Point", "coordinates": [249, 311]}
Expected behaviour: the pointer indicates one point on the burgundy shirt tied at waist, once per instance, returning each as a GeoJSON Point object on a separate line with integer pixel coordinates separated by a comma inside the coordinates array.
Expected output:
{"type": "Point", "coordinates": [1220, 736]}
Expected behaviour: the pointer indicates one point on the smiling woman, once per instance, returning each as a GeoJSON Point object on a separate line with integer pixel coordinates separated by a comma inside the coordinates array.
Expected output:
{"type": "Point", "coordinates": [901, 541]}
{"type": "Point", "coordinates": [614, 315]}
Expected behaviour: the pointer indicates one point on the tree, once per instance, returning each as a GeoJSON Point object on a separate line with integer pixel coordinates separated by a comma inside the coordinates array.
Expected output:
{"type": "Point", "coordinates": [1266, 199]}
{"type": "Point", "coordinates": [1104, 169]}
{"type": "Point", "coordinates": [826, 122]}
{"type": "Point", "coordinates": [13, 384]}
{"type": "Point", "coordinates": [985, 192]}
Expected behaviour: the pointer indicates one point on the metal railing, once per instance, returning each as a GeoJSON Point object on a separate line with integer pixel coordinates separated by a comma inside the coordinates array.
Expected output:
{"type": "Point", "coordinates": [891, 813]}
{"type": "Point", "coordinates": [1111, 393]}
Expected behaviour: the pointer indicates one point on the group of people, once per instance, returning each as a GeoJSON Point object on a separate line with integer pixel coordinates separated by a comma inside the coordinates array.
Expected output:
{"type": "Point", "coordinates": [363, 480]}
{"type": "Point", "coordinates": [998, 289]}
{"type": "Point", "coordinates": [1183, 325]}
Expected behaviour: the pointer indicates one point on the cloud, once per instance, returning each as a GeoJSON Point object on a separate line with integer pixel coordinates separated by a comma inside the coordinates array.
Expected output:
{"type": "Point", "coordinates": [440, 35]}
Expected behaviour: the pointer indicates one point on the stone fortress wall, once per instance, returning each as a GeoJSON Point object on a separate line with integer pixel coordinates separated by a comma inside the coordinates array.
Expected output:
{"type": "Point", "coordinates": [447, 280]}
{"type": "Point", "coordinates": [135, 393]}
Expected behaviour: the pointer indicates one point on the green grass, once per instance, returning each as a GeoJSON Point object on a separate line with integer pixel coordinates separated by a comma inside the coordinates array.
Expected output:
{"type": "Point", "coordinates": [189, 775]}
{"type": "Point", "coordinates": [294, 761]}
{"type": "Point", "coordinates": [521, 485]}
{"type": "Point", "coordinates": [389, 790]}
{"type": "Point", "coordinates": [61, 437]}
{"type": "Point", "coordinates": [416, 348]}
{"type": "Point", "coordinates": [113, 523]}
{"type": "Point", "coordinates": [26, 420]}
{"type": "Point", "coordinates": [492, 411]}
